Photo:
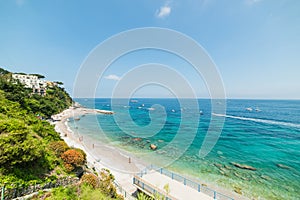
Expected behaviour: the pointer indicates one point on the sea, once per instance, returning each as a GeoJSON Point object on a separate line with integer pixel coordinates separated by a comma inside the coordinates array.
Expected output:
{"type": "Point", "coordinates": [261, 134]}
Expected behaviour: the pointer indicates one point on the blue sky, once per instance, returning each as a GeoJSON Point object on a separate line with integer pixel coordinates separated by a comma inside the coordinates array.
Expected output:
{"type": "Point", "coordinates": [254, 43]}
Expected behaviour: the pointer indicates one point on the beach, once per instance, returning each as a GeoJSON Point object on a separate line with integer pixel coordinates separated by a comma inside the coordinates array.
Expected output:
{"type": "Point", "coordinates": [245, 141]}
{"type": "Point", "coordinates": [120, 163]}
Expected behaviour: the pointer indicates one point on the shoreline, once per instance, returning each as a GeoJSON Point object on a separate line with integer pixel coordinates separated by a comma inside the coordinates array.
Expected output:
{"type": "Point", "coordinates": [102, 155]}
{"type": "Point", "coordinates": [120, 163]}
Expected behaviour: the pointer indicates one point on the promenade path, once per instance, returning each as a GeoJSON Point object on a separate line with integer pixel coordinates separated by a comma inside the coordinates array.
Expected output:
{"type": "Point", "coordinates": [178, 191]}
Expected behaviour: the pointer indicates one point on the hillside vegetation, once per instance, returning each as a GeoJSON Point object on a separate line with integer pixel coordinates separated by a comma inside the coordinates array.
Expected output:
{"type": "Point", "coordinates": [25, 138]}
{"type": "Point", "coordinates": [32, 152]}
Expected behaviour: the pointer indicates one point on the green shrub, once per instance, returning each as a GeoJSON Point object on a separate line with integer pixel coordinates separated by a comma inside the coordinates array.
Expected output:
{"type": "Point", "coordinates": [90, 179]}
{"type": "Point", "coordinates": [106, 183]}
{"type": "Point", "coordinates": [58, 147]}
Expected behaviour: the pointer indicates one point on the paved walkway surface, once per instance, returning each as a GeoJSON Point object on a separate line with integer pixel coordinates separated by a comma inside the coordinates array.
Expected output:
{"type": "Point", "coordinates": [177, 189]}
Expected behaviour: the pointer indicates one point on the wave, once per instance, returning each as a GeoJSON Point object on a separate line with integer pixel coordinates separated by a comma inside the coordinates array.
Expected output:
{"type": "Point", "coordinates": [266, 121]}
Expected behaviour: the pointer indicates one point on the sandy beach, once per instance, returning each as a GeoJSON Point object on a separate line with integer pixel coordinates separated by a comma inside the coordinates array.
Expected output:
{"type": "Point", "coordinates": [121, 164]}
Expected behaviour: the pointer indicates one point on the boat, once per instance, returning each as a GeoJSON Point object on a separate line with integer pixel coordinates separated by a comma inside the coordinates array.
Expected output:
{"type": "Point", "coordinates": [201, 112]}
{"type": "Point", "coordinates": [134, 101]}
{"type": "Point", "coordinates": [249, 109]}
{"type": "Point", "coordinates": [257, 110]}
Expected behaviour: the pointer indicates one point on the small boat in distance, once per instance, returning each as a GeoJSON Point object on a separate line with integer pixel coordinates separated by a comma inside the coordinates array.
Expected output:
{"type": "Point", "coordinates": [201, 112]}
{"type": "Point", "coordinates": [151, 108]}
{"type": "Point", "coordinates": [249, 109]}
{"type": "Point", "coordinates": [257, 110]}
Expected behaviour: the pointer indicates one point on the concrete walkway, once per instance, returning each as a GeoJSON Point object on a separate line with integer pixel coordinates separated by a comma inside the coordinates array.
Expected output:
{"type": "Point", "coordinates": [177, 190]}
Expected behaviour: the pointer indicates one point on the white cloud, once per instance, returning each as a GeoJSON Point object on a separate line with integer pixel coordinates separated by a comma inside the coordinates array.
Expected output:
{"type": "Point", "coordinates": [164, 11]}
{"type": "Point", "coordinates": [112, 77]}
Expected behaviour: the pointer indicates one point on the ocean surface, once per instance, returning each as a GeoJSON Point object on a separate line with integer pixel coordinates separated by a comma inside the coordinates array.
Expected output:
{"type": "Point", "coordinates": [263, 134]}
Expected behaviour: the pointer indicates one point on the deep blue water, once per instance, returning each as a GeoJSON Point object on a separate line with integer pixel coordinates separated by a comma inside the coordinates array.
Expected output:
{"type": "Point", "coordinates": [266, 137]}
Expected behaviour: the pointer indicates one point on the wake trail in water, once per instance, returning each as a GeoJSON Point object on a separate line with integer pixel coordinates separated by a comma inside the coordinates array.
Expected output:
{"type": "Point", "coordinates": [266, 121]}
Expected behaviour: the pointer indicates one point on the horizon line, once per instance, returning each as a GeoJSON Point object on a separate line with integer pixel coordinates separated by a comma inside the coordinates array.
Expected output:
{"type": "Point", "coordinates": [231, 98]}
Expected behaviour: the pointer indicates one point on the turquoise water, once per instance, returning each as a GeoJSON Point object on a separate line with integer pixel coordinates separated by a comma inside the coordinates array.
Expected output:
{"type": "Point", "coordinates": [266, 138]}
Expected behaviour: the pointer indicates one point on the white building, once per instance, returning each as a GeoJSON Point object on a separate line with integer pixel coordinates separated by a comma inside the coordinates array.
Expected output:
{"type": "Point", "coordinates": [30, 81]}
{"type": "Point", "coordinates": [33, 82]}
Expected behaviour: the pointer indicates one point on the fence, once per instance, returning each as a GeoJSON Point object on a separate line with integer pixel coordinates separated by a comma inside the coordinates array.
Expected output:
{"type": "Point", "coordinates": [14, 191]}
{"type": "Point", "coordinates": [200, 188]}
{"type": "Point", "coordinates": [151, 189]}
{"type": "Point", "coordinates": [123, 192]}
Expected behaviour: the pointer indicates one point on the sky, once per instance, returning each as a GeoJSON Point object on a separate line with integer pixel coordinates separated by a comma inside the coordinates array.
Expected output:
{"type": "Point", "coordinates": [255, 44]}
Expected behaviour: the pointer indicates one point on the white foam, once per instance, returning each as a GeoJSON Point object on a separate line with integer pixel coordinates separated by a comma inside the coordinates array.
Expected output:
{"type": "Point", "coordinates": [266, 121]}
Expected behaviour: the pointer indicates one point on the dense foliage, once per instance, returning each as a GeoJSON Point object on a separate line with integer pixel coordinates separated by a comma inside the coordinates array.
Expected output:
{"type": "Point", "coordinates": [77, 192]}
{"type": "Point", "coordinates": [88, 188]}
{"type": "Point", "coordinates": [25, 151]}
{"type": "Point", "coordinates": [55, 101]}
{"type": "Point", "coordinates": [32, 152]}
{"type": "Point", "coordinates": [90, 179]}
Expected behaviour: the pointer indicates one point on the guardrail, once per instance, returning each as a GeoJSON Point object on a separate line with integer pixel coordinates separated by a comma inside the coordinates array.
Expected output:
{"type": "Point", "coordinates": [150, 189]}
{"type": "Point", "coordinates": [123, 192]}
{"type": "Point", "coordinates": [200, 188]}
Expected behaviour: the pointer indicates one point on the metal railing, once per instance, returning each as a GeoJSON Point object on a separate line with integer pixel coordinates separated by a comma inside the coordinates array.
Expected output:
{"type": "Point", "coordinates": [150, 189]}
{"type": "Point", "coordinates": [123, 192]}
{"type": "Point", "coordinates": [197, 186]}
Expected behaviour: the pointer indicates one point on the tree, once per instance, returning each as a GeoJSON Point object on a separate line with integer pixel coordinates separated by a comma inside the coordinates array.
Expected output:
{"type": "Point", "coordinates": [3, 71]}
{"type": "Point", "coordinates": [90, 179]}
{"type": "Point", "coordinates": [58, 82]}
{"type": "Point", "coordinates": [107, 183]}
{"type": "Point", "coordinates": [73, 158]}
{"type": "Point", "coordinates": [38, 75]}
{"type": "Point", "coordinates": [17, 145]}
{"type": "Point", "coordinates": [59, 147]}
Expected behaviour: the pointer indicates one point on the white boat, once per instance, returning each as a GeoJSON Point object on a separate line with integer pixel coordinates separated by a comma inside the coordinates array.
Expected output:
{"type": "Point", "coordinates": [249, 109]}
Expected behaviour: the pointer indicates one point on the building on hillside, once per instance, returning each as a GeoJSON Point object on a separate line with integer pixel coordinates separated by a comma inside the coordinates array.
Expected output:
{"type": "Point", "coordinates": [37, 85]}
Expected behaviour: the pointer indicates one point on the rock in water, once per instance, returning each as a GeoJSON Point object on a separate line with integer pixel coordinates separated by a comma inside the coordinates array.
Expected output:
{"type": "Point", "coordinates": [243, 166]}
{"type": "Point", "coordinates": [283, 166]}
{"type": "Point", "coordinates": [238, 190]}
{"type": "Point", "coordinates": [267, 178]}
{"type": "Point", "coordinates": [137, 139]}
{"type": "Point", "coordinates": [153, 146]}
{"type": "Point", "coordinates": [218, 165]}
{"type": "Point", "coordinates": [228, 167]}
